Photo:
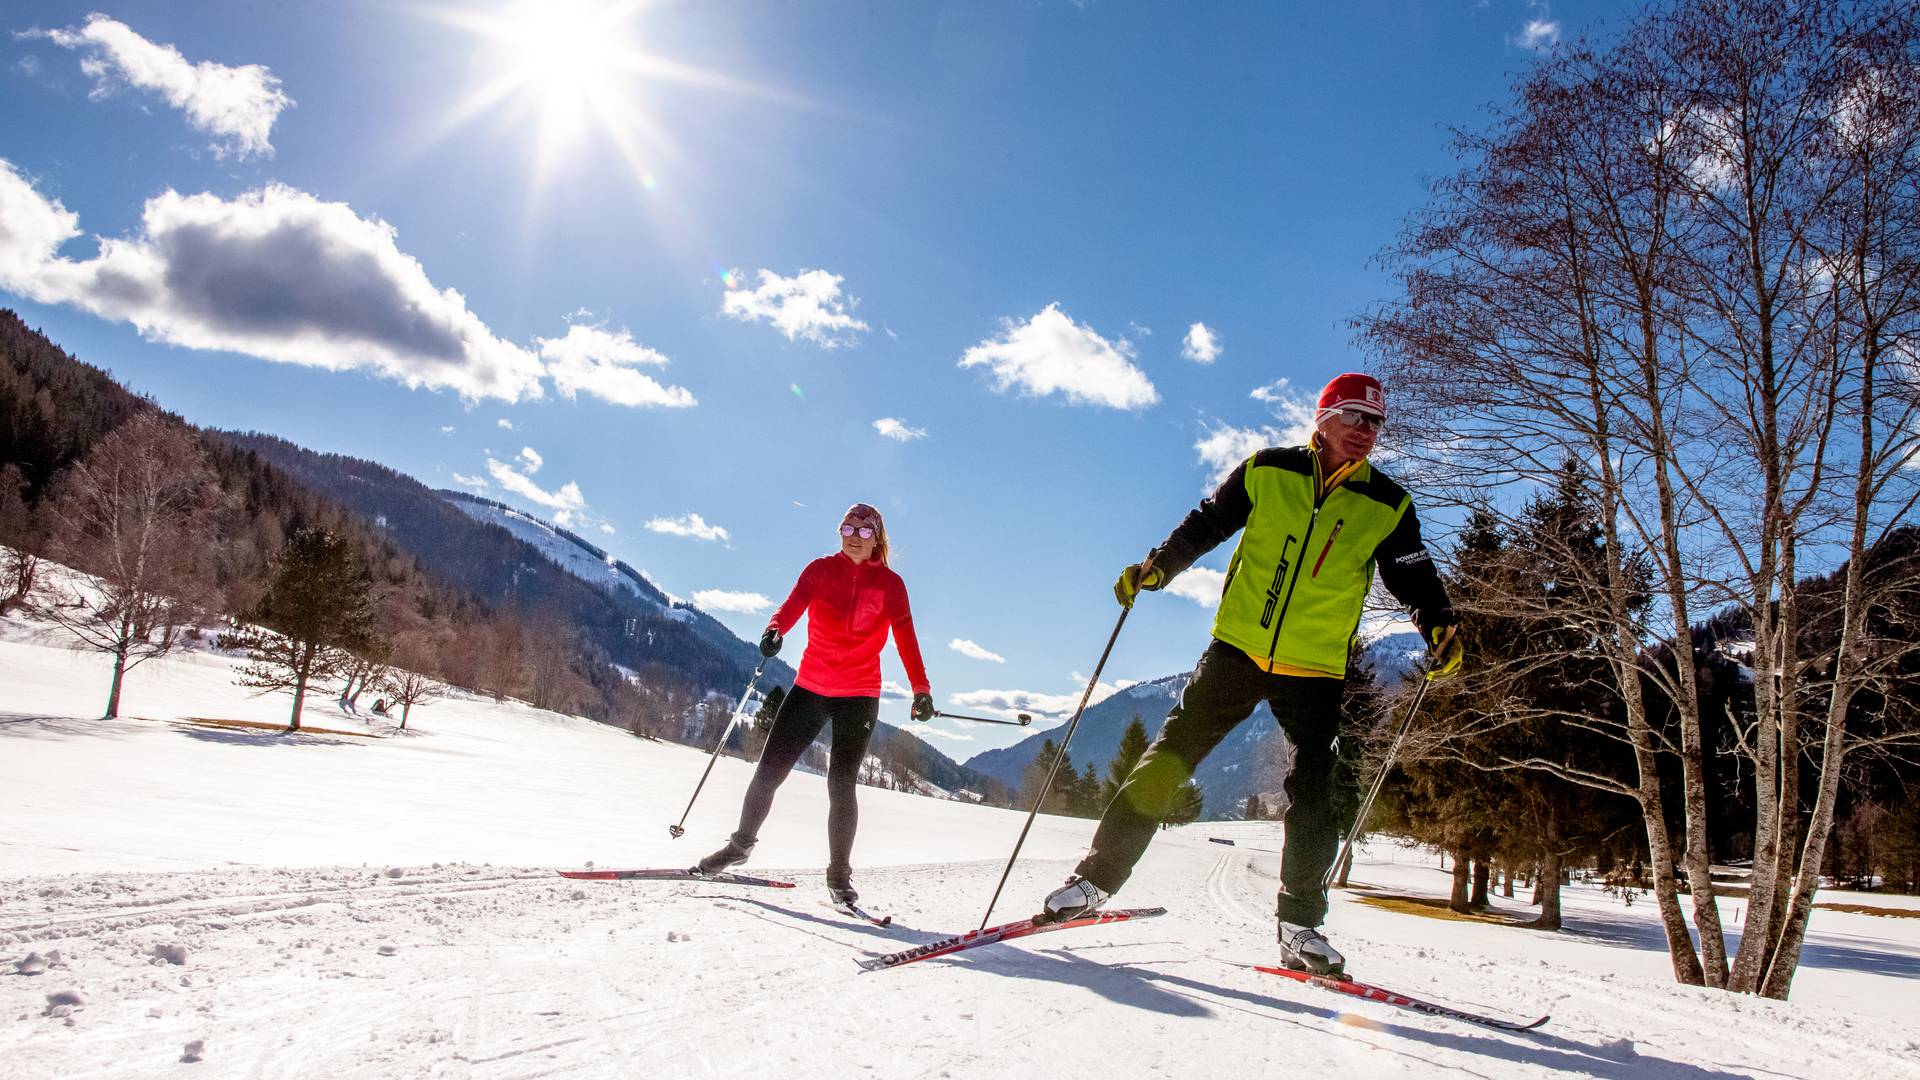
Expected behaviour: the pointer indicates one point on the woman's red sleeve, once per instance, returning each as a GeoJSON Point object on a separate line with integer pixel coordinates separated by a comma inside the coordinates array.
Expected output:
{"type": "Point", "coordinates": [905, 641]}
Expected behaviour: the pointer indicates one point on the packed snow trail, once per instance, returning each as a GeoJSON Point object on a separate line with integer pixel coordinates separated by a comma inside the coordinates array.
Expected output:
{"type": "Point", "coordinates": [348, 907]}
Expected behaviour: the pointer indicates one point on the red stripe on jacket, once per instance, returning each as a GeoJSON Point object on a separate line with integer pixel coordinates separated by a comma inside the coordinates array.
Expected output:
{"type": "Point", "coordinates": [850, 607]}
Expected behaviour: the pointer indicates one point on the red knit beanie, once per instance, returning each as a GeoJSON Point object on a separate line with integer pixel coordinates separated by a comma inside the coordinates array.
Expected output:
{"type": "Point", "coordinates": [1352, 390]}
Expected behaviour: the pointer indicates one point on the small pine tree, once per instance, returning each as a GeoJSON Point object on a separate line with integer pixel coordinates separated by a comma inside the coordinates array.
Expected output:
{"type": "Point", "coordinates": [1133, 745]}
{"type": "Point", "coordinates": [1255, 811]}
{"type": "Point", "coordinates": [1086, 794]}
{"type": "Point", "coordinates": [1188, 804]}
{"type": "Point", "coordinates": [317, 611]}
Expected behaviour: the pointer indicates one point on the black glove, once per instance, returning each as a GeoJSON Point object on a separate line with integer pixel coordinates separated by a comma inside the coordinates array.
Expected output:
{"type": "Point", "coordinates": [770, 642]}
{"type": "Point", "coordinates": [923, 707]}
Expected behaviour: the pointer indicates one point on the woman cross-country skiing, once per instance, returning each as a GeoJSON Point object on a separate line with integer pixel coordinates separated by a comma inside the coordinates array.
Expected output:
{"type": "Point", "coordinates": [853, 598]}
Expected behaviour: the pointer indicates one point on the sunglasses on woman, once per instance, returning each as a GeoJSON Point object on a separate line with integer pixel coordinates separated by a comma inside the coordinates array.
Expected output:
{"type": "Point", "coordinates": [864, 532]}
{"type": "Point", "coordinates": [1355, 418]}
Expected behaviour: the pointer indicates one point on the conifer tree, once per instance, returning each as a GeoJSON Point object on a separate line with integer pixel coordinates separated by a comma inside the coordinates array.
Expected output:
{"type": "Point", "coordinates": [317, 611]}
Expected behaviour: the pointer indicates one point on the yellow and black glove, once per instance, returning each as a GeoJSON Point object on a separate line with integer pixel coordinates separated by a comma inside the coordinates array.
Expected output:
{"type": "Point", "coordinates": [1444, 653]}
{"type": "Point", "coordinates": [1133, 579]}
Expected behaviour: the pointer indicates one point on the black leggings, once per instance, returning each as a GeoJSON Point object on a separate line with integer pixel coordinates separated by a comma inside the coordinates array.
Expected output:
{"type": "Point", "coordinates": [798, 723]}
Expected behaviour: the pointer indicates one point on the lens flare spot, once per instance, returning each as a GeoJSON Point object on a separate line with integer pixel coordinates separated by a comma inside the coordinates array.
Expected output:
{"type": "Point", "coordinates": [797, 392]}
{"type": "Point", "coordinates": [730, 278]}
{"type": "Point", "coordinates": [650, 182]}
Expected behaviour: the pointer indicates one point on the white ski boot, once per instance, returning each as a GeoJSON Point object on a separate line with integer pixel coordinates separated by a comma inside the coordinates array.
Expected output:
{"type": "Point", "coordinates": [1076, 898]}
{"type": "Point", "coordinates": [1303, 948]}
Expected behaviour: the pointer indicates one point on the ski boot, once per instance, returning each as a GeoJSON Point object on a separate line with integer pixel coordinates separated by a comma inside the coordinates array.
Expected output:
{"type": "Point", "coordinates": [1076, 898]}
{"type": "Point", "coordinates": [731, 855]}
{"type": "Point", "coordinates": [1303, 948]}
{"type": "Point", "coordinates": [840, 890]}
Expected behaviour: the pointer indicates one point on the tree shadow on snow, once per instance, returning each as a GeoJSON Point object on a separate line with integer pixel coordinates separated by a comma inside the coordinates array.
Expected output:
{"type": "Point", "coordinates": [264, 737]}
{"type": "Point", "coordinates": [37, 726]}
{"type": "Point", "coordinates": [1820, 950]}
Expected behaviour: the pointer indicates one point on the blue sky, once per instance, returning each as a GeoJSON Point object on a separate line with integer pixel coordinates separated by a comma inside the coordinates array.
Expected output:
{"type": "Point", "coordinates": [695, 276]}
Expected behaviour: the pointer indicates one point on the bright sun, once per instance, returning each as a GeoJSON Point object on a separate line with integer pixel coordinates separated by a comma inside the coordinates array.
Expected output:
{"type": "Point", "coordinates": [569, 70]}
{"type": "Point", "coordinates": [568, 52]}
{"type": "Point", "coordinates": [568, 79]}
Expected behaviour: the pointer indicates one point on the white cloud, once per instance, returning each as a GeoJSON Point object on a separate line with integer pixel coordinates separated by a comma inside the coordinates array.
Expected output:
{"type": "Point", "coordinates": [891, 689]}
{"type": "Point", "coordinates": [1540, 34]}
{"type": "Point", "coordinates": [746, 603]}
{"type": "Point", "coordinates": [606, 528]}
{"type": "Point", "coordinates": [533, 459]}
{"type": "Point", "coordinates": [1049, 353]}
{"type": "Point", "coordinates": [806, 305]}
{"type": "Point", "coordinates": [1056, 706]}
{"type": "Point", "coordinates": [1224, 446]}
{"type": "Point", "coordinates": [898, 430]}
{"type": "Point", "coordinates": [601, 362]}
{"type": "Point", "coordinates": [689, 525]}
{"type": "Point", "coordinates": [968, 648]}
{"type": "Point", "coordinates": [565, 502]}
{"type": "Point", "coordinates": [446, 429]}
{"type": "Point", "coordinates": [1201, 344]}
{"type": "Point", "coordinates": [929, 731]}
{"type": "Point", "coordinates": [1200, 585]}
{"type": "Point", "coordinates": [504, 423]}
{"type": "Point", "coordinates": [477, 483]}
{"type": "Point", "coordinates": [1542, 31]}
{"type": "Point", "coordinates": [237, 105]}
{"type": "Point", "coordinates": [275, 274]}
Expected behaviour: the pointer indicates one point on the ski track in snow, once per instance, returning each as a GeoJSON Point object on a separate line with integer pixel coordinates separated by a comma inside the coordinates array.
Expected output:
{"type": "Point", "coordinates": [486, 966]}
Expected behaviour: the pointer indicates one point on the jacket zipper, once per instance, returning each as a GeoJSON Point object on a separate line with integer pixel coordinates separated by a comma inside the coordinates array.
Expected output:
{"type": "Point", "coordinates": [1280, 619]}
{"type": "Point", "coordinates": [1335, 535]}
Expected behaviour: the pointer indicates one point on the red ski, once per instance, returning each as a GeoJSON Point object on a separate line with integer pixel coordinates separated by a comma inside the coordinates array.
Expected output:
{"type": "Point", "coordinates": [1004, 932]}
{"type": "Point", "coordinates": [672, 875]}
{"type": "Point", "coordinates": [1342, 985]}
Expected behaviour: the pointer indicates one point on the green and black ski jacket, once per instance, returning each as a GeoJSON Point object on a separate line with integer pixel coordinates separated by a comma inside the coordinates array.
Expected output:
{"type": "Point", "coordinates": [1301, 572]}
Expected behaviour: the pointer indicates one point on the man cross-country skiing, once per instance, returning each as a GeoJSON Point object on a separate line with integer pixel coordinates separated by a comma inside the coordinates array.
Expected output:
{"type": "Point", "coordinates": [1317, 519]}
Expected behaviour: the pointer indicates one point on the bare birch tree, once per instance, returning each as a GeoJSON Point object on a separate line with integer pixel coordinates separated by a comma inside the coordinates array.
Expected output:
{"type": "Point", "coordinates": [1689, 262]}
{"type": "Point", "coordinates": [405, 681]}
{"type": "Point", "coordinates": [136, 513]}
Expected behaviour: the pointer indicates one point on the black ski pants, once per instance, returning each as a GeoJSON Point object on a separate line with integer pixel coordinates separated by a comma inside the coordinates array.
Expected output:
{"type": "Point", "coordinates": [1225, 689]}
{"type": "Point", "coordinates": [802, 715]}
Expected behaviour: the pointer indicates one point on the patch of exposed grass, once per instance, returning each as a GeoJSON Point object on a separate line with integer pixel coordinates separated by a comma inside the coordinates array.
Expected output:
{"type": "Point", "coordinates": [1869, 909]}
{"type": "Point", "coordinates": [255, 725]}
{"type": "Point", "coordinates": [1434, 908]}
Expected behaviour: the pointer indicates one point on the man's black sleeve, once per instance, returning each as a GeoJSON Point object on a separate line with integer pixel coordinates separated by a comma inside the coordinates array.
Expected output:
{"type": "Point", "coordinates": [1218, 517]}
{"type": "Point", "coordinates": [1407, 569]}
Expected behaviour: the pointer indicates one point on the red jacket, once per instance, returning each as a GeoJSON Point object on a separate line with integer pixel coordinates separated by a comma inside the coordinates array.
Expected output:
{"type": "Point", "coordinates": [852, 605]}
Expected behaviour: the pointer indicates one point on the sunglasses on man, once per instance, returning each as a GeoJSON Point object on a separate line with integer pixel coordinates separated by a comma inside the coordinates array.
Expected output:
{"type": "Point", "coordinates": [864, 532]}
{"type": "Point", "coordinates": [1356, 418]}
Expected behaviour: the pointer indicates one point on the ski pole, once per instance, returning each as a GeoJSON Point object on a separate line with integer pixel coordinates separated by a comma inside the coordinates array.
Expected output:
{"type": "Point", "coordinates": [677, 831]}
{"type": "Point", "coordinates": [1379, 781]}
{"type": "Point", "coordinates": [1058, 757]}
{"type": "Point", "coordinates": [1022, 722]}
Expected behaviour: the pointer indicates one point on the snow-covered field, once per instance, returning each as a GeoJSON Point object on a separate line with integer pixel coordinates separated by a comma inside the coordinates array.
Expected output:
{"type": "Point", "coordinates": [334, 906]}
